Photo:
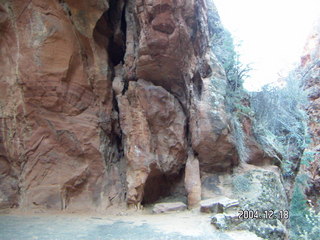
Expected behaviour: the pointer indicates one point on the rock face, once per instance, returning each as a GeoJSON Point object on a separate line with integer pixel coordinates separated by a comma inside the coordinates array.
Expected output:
{"type": "Point", "coordinates": [111, 102]}
{"type": "Point", "coordinates": [310, 68]}
{"type": "Point", "coordinates": [58, 125]}
{"type": "Point", "coordinates": [153, 126]}
{"type": "Point", "coordinates": [253, 187]}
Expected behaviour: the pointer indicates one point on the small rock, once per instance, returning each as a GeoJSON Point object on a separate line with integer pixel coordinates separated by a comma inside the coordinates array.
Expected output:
{"type": "Point", "coordinates": [225, 221]}
{"type": "Point", "coordinates": [117, 85]}
{"type": "Point", "coordinates": [169, 207]}
{"type": "Point", "coordinates": [218, 205]}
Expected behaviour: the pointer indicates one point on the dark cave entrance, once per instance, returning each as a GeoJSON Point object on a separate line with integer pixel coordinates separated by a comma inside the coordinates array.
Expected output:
{"type": "Point", "coordinates": [110, 32]}
{"type": "Point", "coordinates": [159, 186]}
{"type": "Point", "coordinates": [117, 43]}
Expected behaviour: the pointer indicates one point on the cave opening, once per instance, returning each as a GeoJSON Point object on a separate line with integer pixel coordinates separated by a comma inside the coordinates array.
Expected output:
{"type": "Point", "coordinates": [161, 186]}
{"type": "Point", "coordinates": [110, 32]}
{"type": "Point", "coordinates": [117, 41]}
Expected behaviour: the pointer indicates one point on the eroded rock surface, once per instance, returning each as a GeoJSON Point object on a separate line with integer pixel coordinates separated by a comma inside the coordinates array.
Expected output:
{"type": "Point", "coordinates": [111, 102]}
{"type": "Point", "coordinates": [168, 48]}
{"type": "Point", "coordinates": [56, 105]}
{"type": "Point", "coordinates": [153, 126]}
{"type": "Point", "coordinates": [310, 68]}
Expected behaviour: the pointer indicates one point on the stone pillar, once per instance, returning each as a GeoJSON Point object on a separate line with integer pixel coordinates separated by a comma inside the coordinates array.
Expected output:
{"type": "Point", "coordinates": [192, 181]}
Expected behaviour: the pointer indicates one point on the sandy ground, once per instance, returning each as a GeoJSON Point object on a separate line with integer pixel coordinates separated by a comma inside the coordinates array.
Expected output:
{"type": "Point", "coordinates": [132, 225]}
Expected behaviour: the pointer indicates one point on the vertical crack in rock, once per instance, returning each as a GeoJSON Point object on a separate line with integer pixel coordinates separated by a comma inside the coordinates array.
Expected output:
{"type": "Point", "coordinates": [115, 18]}
{"type": "Point", "coordinates": [112, 28]}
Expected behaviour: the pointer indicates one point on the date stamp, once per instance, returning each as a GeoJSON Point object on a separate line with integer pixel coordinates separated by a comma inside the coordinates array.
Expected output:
{"type": "Point", "coordinates": [266, 214]}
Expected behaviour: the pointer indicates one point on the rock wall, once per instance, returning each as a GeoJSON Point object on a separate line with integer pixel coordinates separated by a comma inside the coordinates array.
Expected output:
{"type": "Point", "coordinates": [59, 126]}
{"type": "Point", "coordinates": [310, 68]}
{"type": "Point", "coordinates": [99, 100]}
{"type": "Point", "coordinates": [113, 102]}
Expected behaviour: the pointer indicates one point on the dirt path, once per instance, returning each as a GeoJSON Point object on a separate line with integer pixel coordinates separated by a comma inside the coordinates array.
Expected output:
{"type": "Point", "coordinates": [185, 225]}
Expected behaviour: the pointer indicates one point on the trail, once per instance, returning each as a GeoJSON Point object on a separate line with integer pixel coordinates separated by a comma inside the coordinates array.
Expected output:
{"type": "Point", "coordinates": [185, 225]}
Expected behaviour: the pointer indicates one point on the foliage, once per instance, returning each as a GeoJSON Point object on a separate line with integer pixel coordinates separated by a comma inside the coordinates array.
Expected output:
{"type": "Point", "coordinates": [225, 50]}
{"type": "Point", "coordinates": [280, 123]}
{"type": "Point", "coordinates": [304, 222]}
{"type": "Point", "coordinates": [281, 127]}
{"type": "Point", "coordinates": [236, 72]}
{"type": "Point", "coordinates": [308, 157]}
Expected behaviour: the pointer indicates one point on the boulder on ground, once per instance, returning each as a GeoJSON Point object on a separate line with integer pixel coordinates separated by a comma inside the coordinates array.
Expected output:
{"type": "Point", "coordinates": [218, 205]}
{"type": "Point", "coordinates": [225, 221]}
{"type": "Point", "coordinates": [169, 207]}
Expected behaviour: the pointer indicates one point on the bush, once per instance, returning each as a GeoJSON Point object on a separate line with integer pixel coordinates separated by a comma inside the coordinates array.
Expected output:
{"type": "Point", "coordinates": [304, 223]}
{"type": "Point", "coordinates": [280, 124]}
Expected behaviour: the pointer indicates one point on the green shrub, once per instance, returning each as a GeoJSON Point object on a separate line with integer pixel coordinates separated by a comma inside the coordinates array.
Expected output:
{"type": "Point", "coordinates": [308, 157]}
{"type": "Point", "coordinates": [280, 123]}
{"type": "Point", "coordinates": [304, 223]}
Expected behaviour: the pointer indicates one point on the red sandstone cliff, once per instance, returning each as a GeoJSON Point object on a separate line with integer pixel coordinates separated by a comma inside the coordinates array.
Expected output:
{"type": "Point", "coordinates": [121, 102]}
{"type": "Point", "coordinates": [101, 100]}
{"type": "Point", "coordinates": [111, 102]}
